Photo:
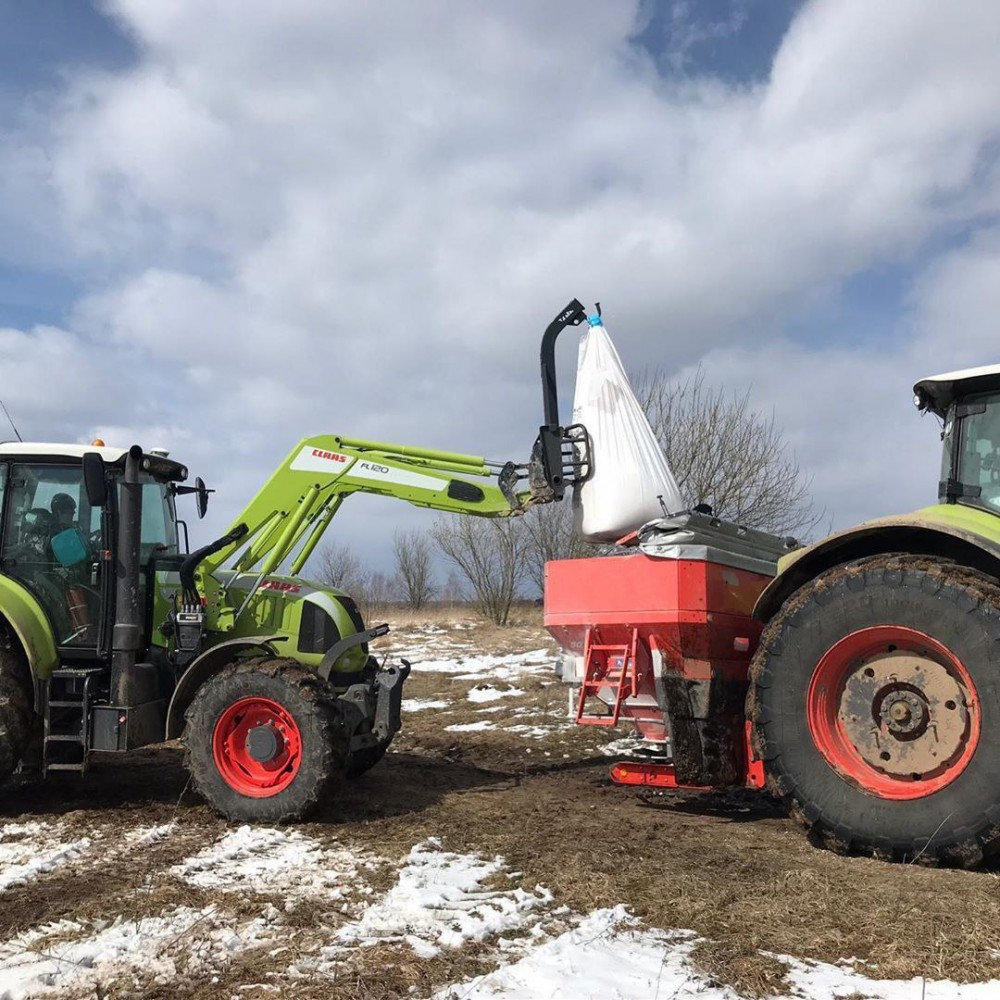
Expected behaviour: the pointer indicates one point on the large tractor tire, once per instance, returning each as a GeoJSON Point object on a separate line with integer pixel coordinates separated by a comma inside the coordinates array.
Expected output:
{"type": "Point", "coordinates": [265, 740]}
{"type": "Point", "coordinates": [17, 715]}
{"type": "Point", "coordinates": [875, 704]}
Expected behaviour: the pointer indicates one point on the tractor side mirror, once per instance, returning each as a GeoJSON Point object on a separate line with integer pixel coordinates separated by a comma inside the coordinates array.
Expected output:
{"type": "Point", "coordinates": [203, 491]}
{"type": "Point", "coordinates": [94, 483]}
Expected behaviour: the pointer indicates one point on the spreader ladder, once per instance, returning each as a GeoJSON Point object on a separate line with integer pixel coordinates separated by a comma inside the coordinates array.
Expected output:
{"type": "Point", "coordinates": [607, 665]}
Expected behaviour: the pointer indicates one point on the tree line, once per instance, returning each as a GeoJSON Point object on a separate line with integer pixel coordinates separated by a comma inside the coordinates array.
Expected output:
{"type": "Point", "coordinates": [722, 453]}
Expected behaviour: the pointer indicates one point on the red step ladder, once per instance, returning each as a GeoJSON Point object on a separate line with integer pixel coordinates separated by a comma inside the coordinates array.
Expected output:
{"type": "Point", "coordinates": [605, 665]}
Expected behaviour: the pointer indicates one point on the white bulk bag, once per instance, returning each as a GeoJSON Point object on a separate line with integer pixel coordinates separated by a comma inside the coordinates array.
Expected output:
{"type": "Point", "coordinates": [630, 472]}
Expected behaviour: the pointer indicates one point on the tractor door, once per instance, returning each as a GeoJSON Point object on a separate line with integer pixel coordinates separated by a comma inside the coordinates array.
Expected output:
{"type": "Point", "coordinates": [51, 541]}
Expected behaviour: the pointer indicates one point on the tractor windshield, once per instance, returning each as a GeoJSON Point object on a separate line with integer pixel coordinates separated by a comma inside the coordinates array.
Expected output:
{"type": "Point", "coordinates": [972, 449]}
{"type": "Point", "coordinates": [159, 525]}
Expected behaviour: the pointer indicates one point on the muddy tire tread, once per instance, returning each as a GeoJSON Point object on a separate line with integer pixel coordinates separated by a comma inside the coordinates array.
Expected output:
{"type": "Point", "coordinates": [324, 748]}
{"type": "Point", "coordinates": [973, 592]}
{"type": "Point", "coordinates": [17, 714]}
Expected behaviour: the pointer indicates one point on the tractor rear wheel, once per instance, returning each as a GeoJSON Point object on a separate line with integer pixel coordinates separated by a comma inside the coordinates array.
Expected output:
{"type": "Point", "coordinates": [17, 713]}
{"type": "Point", "coordinates": [876, 709]}
{"type": "Point", "coordinates": [265, 739]}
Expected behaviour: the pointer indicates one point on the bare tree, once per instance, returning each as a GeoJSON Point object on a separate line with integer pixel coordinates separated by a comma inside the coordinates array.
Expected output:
{"type": "Point", "coordinates": [727, 455]}
{"type": "Point", "coordinates": [489, 555]}
{"type": "Point", "coordinates": [414, 567]}
{"type": "Point", "coordinates": [376, 595]}
{"type": "Point", "coordinates": [454, 590]}
{"type": "Point", "coordinates": [551, 535]}
{"type": "Point", "coordinates": [337, 565]}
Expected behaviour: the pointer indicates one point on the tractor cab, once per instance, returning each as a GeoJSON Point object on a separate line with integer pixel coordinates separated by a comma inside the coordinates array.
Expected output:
{"type": "Point", "coordinates": [968, 402]}
{"type": "Point", "coordinates": [57, 537]}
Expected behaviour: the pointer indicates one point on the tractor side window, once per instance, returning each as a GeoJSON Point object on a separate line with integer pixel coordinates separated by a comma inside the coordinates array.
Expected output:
{"type": "Point", "coordinates": [979, 458]}
{"type": "Point", "coordinates": [48, 541]}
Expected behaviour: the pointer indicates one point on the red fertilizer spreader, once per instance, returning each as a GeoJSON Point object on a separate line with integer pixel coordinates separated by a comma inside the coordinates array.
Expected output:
{"type": "Point", "coordinates": [663, 637]}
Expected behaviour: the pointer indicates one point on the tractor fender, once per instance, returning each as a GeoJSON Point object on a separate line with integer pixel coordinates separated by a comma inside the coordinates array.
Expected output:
{"type": "Point", "coordinates": [203, 667]}
{"type": "Point", "coordinates": [925, 533]}
{"type": "Point", "coordinates": [31, 625]}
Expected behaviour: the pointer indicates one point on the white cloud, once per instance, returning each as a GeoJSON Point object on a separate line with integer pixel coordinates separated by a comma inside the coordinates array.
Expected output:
{"type": "Point", "coordinates": [332, 217]}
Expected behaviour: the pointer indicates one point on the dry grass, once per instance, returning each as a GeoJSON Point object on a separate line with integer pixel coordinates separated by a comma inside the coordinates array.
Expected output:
{"type": "Point", "coordinates": [731, 867]}
{"type": "Point", "coordinates": [735, 961]}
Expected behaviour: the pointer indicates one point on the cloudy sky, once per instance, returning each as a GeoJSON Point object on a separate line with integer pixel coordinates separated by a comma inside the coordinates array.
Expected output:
{"type": "Point", "coordinates": [224, 226]}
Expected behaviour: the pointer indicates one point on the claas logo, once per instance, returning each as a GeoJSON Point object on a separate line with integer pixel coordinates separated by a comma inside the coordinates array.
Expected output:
{"type": "Point", "coordinates": [330, 456]}
{"type": "Point", "coordinates": [280, 585]}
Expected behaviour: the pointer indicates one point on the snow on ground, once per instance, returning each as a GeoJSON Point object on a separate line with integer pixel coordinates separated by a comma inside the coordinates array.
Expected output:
{"type": "Point", "coordinates": [150, 834]}
{"type": "Point", "coordinates": [440, 903]}
{"type": "Point", "coordinates": [28, 850]}
{"type": "Point", "coordinates": [419, 704]}
{"type": "Point", "coordinates": [504, 668]}
{"type": "Point", "coordinates": [441, 900]}
{"type": "Point", "coordinates": [610, 956]}
{"type": "Point", "coordinates": [464, 663]}
{"type": "Point", "coordinates": [470, 727]}
{"type": "Point", "coordinates": [533, 732]}
{"type": "Point", "coordinates": [486, 692]}
{"type": "Point", "coordinates": [606, 957]}
{"type": "Point", "coordinates": [820, 981]}
{"type": "Point", "coordinates": [264, 859]}
{"type": "Point", "coordinates": [70, 955]}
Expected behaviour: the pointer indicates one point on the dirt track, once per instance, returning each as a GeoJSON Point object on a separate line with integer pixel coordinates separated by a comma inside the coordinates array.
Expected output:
{"type": "Point", "coordinates": [730, 867]}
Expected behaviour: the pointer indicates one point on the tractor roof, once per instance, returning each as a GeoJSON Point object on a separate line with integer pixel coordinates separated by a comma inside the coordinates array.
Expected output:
{"type": "Point", "coordinates": [937, 392]}
{"type": "Point", "coordinates": [48, 449]}
{"type": "Point", "coordinates": [160, 466]}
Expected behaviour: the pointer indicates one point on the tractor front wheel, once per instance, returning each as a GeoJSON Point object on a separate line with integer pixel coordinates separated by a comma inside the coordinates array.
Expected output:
{"type": "Point", "coordinates": [265, 740]}
{"type": "Point", "coordinates": [876, 709]}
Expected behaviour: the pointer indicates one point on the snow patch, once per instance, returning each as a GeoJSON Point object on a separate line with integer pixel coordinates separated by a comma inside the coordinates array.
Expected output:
{"type": "Point", "coordinates": [28, 850]}
{"type": "Point", "coordinates": [534, 732]}
{"type": "Point", "coordinates": [263, 859]}
{"type": "Point", "coordinates": [486, 692]}
{"type": "Point", "coordinates": [474, 667]}
{"type": "Point", "coordinates": [33, 964]}
{"type": "Point", "coordinates": [419, 704]}
{"type": "Point", "coordinates": [820, 981]}
{"type": "Point", "coordinates": [151, 834]}
{"type": "Point", "coordinates": [609, 955]}
{"type": "Point", "coordinates": [605, 956]}
{"type": "Point", "coordinates": [470, 727]}
{"type": "Point", "coordinates": [439, 901]}
{"type": "Point", "coordinates": [626, 745]}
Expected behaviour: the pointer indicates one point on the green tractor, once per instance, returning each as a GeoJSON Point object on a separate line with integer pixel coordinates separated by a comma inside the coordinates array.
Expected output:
{"type": "Point", "coordinates": [114, 636]}
{"type": "Point", "coordinates": [875, 694]}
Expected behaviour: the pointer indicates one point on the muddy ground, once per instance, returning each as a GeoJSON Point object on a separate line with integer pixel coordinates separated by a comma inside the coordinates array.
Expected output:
{"type": "Point", "coordinates": [731, 867]}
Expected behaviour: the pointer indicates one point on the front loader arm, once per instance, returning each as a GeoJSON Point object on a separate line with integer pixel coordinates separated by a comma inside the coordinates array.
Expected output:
{"type": "Point", "coordinates": [297, 503]}
{"type": "Point", "coordinates": [293, 509]}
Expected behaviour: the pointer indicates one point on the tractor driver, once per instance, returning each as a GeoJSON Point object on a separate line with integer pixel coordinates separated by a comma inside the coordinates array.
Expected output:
{"type": "Point", "coordinates": [66, 537]}
{"type": "Point", "coordinates": [63, 509]}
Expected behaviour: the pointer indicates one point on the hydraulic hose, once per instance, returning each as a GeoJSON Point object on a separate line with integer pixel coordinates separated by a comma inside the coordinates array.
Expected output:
{"type": "Point", "coordinates": [190, 564]}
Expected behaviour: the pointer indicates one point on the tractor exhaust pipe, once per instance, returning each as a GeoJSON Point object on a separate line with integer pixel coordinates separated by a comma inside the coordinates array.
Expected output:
{"type": "Point", "coordinates": [126, 637]}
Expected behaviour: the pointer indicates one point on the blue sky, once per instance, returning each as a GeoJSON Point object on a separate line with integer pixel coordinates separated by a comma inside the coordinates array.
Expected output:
{"type": "Point", "coordinates": [226, 226]}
